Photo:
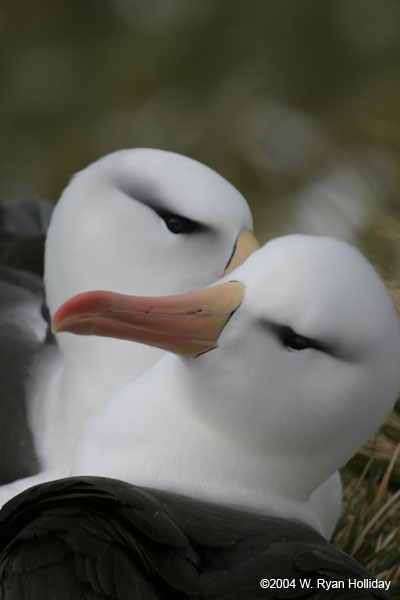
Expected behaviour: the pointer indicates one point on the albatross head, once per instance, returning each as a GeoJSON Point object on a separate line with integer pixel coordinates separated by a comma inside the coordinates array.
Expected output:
{"type": "Point", "coordinates": [313, 351]}
{"type": "Point", "coordinates": [138, 221]}
{"type": "Point", "coordinates": [144, 221]}
{"type": "Point", "coordinates": [299, 356]}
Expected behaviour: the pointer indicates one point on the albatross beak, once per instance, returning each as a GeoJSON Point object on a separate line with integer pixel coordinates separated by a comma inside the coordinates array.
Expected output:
{"type": "Point", "coordinates": [245, 245]}
{"type": "Point", "coordinates": [186, 324]}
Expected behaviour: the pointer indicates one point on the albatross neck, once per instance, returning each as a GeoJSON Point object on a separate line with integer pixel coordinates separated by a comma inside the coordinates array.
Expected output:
{"type": "Point", "coordinates": [151, 435]}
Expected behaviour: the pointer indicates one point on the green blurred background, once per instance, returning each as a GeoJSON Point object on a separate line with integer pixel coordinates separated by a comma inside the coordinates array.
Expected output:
{"type": "Point", "coordinates": [296, 102]}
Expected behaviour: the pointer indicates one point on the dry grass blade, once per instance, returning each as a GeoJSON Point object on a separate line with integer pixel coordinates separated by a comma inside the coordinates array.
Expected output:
{"type": "Point", "coordinates": [381, 491]}
{"type": "Point", "coordinates": [369, 528]}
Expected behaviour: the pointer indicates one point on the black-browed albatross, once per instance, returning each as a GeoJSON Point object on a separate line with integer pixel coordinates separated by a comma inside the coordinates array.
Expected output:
{"type": "Point", "coordinates": [141, 221]}
{"type": "Point", "coordinates": [278, 378]}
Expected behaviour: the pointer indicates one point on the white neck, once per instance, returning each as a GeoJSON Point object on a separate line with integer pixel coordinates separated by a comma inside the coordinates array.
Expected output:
{"type": "Point", "coordinates": [153, 439]}
{"type": "Point", "coordinates": [108, 364]}
{"type": "Point", "coordinates": [74, 386]}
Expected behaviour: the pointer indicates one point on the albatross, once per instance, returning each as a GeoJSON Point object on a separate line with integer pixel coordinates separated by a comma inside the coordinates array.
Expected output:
{"type": "Point", "coordinates": [139, 221]}
{"type": "Point", "coordinates": [280, 373]}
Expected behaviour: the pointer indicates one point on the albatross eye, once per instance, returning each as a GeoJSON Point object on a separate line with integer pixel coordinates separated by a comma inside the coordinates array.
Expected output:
{"type": "Point", "coordinates": [178, 224]}
{"type": "Point", "coordinates": [296, 342]}
{"type": "Point", "coordinates": [292, 340]}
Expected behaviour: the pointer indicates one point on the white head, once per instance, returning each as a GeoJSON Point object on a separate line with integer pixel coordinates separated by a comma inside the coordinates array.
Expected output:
{"type": "Point", "coordinates": [138, 221]}
{"type": "Point", "coordinates": [310, 362]}
{"type": "Point", "coordinates": [303, 372]}
{"type": "Point", "coordinates": [142, 221]}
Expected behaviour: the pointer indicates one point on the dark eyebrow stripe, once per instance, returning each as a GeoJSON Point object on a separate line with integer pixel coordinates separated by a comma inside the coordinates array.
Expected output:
{"type": "Point", "coordinates": [279, 330]}
{"type": "Point", "coordinates": [197, 226]}
{"type": "Point", "coordinates": [148, 197]}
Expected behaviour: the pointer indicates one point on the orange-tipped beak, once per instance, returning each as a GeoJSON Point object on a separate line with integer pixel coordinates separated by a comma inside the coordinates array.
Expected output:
{"type": "Point", "coordinates": [246, 244]}
{"type": "Point", "coordinates": [187, 324]}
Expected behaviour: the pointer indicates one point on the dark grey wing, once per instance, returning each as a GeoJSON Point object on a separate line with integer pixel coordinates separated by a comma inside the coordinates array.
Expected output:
{"type": "Point", "coordinates": [296, 566]}
{"type": "Point", "coordinates": [23, 226]}
{"type": "Point", "coordinates": [26, 216]}
{"type": "Point", "coordinates": [99, 538]}
{"type": "Point", "coordinates": [24, 330]}
{"type": "Point", "coordinates": [92, 538]}
{"type": "Point", "coordinates": [240, 549]}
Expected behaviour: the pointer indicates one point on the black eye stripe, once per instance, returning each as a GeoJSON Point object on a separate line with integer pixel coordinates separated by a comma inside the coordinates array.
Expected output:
{"type": "Point", "coordinates": [144, 194]}
{"type": "Point", "coordinates": [292, 340]}
{"type": "Point", "coordinates": [178, 224]}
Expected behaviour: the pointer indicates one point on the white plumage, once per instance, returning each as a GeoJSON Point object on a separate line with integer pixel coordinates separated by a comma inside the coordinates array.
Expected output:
{"type": "Point", "coordinates": [303, 373]}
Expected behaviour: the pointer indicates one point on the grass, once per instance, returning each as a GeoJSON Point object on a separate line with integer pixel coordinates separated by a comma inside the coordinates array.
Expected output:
{"type": "Point", "coordinates": [369, 528]}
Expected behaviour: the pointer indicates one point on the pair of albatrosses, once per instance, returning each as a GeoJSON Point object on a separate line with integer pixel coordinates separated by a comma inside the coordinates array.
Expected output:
{"type": "Point", "coordinates": [283, 369]}
{"type": "Point", "coordinates": [136, 221]}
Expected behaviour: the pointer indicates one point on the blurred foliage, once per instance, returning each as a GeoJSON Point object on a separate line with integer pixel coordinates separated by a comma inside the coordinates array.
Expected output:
{"type": "Point", "coordinates": [296, 103]}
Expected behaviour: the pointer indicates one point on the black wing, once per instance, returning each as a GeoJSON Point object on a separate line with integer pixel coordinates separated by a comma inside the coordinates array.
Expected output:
{"type": "Point", "coordinates": [100, 538]}
{"type": "Point", "coordinates": [240, 549]}
{"type": "Point", "coordinates": [23, 327]}
{"type": "Point", "coordinates": [24, 331]}
{"type": "Point", "coordinates": [90, 538]}
{"type": "Point", "coordinates": [23, 227]}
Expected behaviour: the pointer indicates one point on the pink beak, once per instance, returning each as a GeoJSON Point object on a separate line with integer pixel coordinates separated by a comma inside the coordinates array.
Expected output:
{"type": "Point", "coordinates": [187, 324]}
